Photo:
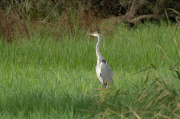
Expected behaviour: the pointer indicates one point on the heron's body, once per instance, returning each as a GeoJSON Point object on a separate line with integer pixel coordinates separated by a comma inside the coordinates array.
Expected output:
{"type": "Point", "coordinates": [103, 70]}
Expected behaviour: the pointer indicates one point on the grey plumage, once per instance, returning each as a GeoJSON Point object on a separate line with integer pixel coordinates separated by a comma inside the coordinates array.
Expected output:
{"type": "Point", "coordinates": [103, 70]}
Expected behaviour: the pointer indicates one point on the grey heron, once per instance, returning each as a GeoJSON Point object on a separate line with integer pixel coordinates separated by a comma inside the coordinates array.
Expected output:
{"type": "Point", "coordinates": [103, 70]}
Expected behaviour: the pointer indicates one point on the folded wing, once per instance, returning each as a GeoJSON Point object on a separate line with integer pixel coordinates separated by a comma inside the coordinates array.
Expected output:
{"type": "Point", "coordinates": [106, 72]}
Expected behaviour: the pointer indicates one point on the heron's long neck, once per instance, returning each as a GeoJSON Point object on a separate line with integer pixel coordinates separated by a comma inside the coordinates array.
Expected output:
{"type": "Point", "coordinates": [97, 46]}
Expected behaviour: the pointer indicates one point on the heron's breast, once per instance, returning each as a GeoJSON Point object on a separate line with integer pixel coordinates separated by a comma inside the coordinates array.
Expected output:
{"type": "Point", "coordinates": [99, 61]}
{"type": "Point", "coordinates": [98, 72]}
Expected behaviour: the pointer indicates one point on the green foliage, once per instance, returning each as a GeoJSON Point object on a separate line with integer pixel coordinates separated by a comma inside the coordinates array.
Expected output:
{"type": "Point", "coordinates": [156, 96]}
{"type": "Point", "coordinates": [53, 76]}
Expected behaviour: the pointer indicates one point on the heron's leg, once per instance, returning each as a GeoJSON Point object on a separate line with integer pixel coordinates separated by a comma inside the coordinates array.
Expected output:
{"type": "Point", "coordinates": [102, 85]}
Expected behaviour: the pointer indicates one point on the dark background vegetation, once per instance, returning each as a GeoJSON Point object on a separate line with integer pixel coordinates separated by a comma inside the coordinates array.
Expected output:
{"type": "Point", "coordinates": [86, 14]}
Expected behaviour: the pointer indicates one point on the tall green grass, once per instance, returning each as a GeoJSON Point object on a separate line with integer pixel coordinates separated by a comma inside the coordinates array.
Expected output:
{"type": "Point", "coordinates": [50, 77]}
{"type": "Point", "coordinates": [134, 49]}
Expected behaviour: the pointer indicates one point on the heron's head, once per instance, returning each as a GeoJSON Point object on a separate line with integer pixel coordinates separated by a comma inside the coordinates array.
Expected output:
{"type": "Point", "coordinates": [96, 33]}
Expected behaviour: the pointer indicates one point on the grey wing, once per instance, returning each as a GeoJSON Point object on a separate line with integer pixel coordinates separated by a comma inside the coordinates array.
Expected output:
{"type": "Point", "coordinates": [106, 72]}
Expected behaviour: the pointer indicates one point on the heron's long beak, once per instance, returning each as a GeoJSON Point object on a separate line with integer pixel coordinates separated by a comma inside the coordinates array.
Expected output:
{"type": "Point", "coordinates": [89, 33]}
